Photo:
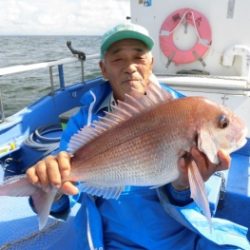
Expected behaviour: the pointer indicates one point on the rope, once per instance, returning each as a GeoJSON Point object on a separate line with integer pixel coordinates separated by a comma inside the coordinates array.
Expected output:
{"type": "Point", "coordinates": [39, 141]}
{"type": "Point", "coordinates": [194, 23]}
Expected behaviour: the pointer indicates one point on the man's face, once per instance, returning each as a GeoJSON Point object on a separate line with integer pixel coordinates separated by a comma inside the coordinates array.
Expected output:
{"type": "Point", "coordinates": [127, 65]}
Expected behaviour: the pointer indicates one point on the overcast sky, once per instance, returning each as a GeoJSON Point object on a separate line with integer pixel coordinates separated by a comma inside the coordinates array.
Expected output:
{"type": "Point", "coordinates": [60, 17]}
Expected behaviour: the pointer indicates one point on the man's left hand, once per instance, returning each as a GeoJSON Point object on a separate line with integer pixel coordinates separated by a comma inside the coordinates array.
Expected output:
{"type": "Point", "coordinates": [206, 168]}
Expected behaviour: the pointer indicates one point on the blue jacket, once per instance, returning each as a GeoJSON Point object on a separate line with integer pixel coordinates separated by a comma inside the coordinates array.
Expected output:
{"type": "Point", "coordinates": [144, 218]}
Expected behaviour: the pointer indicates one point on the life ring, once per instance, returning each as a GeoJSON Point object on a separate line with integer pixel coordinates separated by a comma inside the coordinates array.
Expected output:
{"type": "Point", "coordinates": [203, 33]}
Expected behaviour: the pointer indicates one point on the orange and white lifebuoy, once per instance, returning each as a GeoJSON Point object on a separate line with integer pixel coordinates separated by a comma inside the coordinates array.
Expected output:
{"type": "Point", "coordinates": [203, 33]}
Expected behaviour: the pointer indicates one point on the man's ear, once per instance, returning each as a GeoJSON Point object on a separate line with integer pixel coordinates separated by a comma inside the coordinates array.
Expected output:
{"type": "Point", "coordinates": [152, 63]}
{"type": "Point", "coordinates": [103, 69]}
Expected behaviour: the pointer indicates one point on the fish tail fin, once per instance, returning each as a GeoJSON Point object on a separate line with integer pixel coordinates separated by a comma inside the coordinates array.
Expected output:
{"type": "Point", "coordinates": [19, 186]}
{"type": "Point", "coordinates": [42, 204]}
{"type": "Point", "coordinates": [198, 192]}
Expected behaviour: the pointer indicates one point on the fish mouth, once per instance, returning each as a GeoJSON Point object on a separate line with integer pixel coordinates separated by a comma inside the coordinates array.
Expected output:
{"type": "Point", "coordinates": [238, 139]}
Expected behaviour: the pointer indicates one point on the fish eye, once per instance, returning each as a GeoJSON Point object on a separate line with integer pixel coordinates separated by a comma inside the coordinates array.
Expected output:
{"type": "Point", "coordinates": [223, 121]}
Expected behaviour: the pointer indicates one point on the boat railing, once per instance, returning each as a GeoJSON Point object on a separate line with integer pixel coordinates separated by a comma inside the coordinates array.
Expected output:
{"type": "Point", "coordinates": [50, 65]}
{"type": "Point", "coordinates": [213, 84]}
{"type": "Point", "coordinates": [217, 83]}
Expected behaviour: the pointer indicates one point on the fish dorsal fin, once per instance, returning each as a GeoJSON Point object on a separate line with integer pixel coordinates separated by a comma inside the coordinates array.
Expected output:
{"type": "Point", "coordinates": [124, 110]}
{"type": "Point", "coordinates": [154, 95]}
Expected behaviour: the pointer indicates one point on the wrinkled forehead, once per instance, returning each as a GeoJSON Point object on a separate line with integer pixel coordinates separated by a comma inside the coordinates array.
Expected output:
{"type": "Point", "coordinates": [127, 45]}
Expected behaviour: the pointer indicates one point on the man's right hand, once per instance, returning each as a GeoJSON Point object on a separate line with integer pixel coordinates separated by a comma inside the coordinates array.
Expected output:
{"type": "Point", "coordinates": [52, 171]}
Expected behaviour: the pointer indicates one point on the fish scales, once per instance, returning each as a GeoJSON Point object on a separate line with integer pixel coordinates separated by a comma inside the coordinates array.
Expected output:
{"type": "Point", "coordinates": [136, 151]}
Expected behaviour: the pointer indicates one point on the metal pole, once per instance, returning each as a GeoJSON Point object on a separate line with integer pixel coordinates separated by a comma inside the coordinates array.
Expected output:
{"type": "Point", "coordinates": [2, 108]}
{"type": "Point", "coordinates": [61, 76]}
{"type": "Point", "coordinates": [82, 70]}
{"type": "Point", "coordinates": [51, 80]}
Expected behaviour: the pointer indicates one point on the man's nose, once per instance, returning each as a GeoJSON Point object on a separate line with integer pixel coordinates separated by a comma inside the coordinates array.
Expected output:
{"type": "Point", "coordinates": [131, 68]}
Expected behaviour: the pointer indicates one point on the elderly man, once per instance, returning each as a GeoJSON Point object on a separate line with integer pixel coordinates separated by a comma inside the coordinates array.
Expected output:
{"type": "Point", "coordinates": [137, 220]}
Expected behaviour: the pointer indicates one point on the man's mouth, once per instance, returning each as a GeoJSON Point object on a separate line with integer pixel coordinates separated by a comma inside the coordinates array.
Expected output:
{"type": "Point", "coordinates": [131, 81]}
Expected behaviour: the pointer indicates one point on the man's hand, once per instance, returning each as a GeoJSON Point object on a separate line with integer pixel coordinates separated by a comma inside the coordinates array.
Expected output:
{"type": "Point", "coordinates": [51, 171]}
{"type": "Point", "coordinates": [206, 168]}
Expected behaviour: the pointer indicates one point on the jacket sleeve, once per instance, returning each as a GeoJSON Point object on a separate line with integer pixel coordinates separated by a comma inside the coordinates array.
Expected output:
{"type": "Point", "coordinates": [222, 232]}
{"type": "Point", "coordinates": [74, 124]}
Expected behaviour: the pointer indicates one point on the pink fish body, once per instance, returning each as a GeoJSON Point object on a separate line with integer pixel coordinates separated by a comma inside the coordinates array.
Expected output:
{"type": "Point", "coordinates": [140, 143]}
{"type": "Point", "coordinates": [144, 148]}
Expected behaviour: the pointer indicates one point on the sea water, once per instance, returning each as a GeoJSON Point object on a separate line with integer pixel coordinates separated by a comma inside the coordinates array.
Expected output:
{"type": "Point", "coordinates": [18, 90]}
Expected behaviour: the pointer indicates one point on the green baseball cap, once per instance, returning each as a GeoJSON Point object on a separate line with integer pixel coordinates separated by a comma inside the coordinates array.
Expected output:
{"type": "Point", "coordinates": [125, 31]}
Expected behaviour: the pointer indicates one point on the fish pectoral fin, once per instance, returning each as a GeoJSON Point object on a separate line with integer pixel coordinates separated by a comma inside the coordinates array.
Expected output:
{"type": "Point", "coordinates": [102, 191]}
{"type": "Point", "coordinates": [198, 191]}
{"type": "Point", "coordinates": [207, 145]}
{"type": "Point", "coordinates": [42, 203]}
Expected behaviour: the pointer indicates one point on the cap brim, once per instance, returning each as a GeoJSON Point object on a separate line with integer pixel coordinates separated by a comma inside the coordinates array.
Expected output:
{"type": "Point", "coordinates": [128, 34]}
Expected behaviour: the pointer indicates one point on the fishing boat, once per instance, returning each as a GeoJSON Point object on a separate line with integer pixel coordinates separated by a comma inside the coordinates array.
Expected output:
{"type": "Point", "coordinates": [201, 48]}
